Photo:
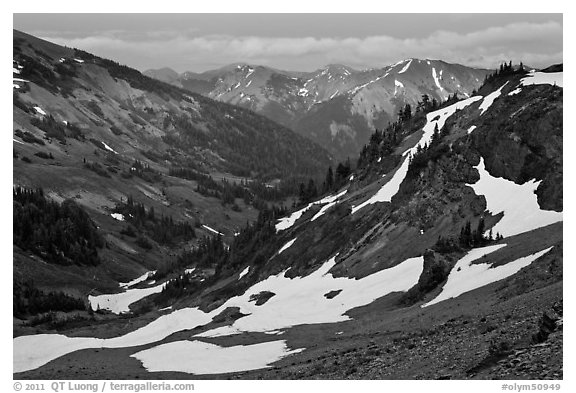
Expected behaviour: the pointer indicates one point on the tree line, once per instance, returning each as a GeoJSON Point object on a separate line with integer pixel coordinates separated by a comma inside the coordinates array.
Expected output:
{"type": "Point", "coordinates": [162, 229]}
{"type": "Point", "coordinates": [62, 234]}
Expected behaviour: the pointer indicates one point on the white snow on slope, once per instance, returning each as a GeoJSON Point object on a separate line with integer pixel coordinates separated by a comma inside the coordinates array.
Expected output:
{"type": "Point", "coordinates": [197, 357]}
{"type": "Point", "coordinates": [287, 222]}
{"type": "Point", "coordinates": [436, 80]}
{"type": "Point", "coordinates": [17, 141]}
{"type": "Point", "coordinates": [137, 280]}
{"type": "Point", "coordinates": [79, 61]}
{"type": "Point", "coordinates": [390, 189]}
{"type": "Point", "coordinates": [357, 88]}
{"type": "Point", "coordinates": [466, 276]}
{"type": "Point", "coordinates": [397, 84]}
{"type": "Point", "coordinates": [515, 91]}
{"type": "Point", "coordinates": [117, 216]}
{"type": "Point", "coordinates": [472, 128]}
{"type": "Point", "coordinates": [109, 148]}
{"type": "Point", "coordinates": [212, 230]}
{"type": "Point", "coordinates": [518, 203]}
{"type": "Point", "coordinates": [286, 246]}
{"type": "Point", "coordinates": [249, 83]}
{"type": "Point", "coordinates": [542, 78]}
{"type": "Point", "coordinates": [297, 301]}
{"type": "Point", "coordinates": [489, 99]}
{"type": "Point", "coordinates": [301, 300]}
{"type": "Point", "coordinates": [119, 303]}
{"type": "Point", "coordinates": [40, 110]}
{"type": "Point", "coordinates": [244, 272]}
{"type": "Point", "coordinates": [15, 70]}
{"type": "Point", "coordinates": [33, 351]}
{"type": "Point", "coordinates": [403, 70]}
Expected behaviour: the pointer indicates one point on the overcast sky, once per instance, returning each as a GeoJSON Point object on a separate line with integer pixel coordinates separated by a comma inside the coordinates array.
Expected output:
{"type": "Point", "coordinates": [198, 42]}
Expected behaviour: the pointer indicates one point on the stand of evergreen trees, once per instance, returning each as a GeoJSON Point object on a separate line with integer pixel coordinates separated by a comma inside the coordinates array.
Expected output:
{"type": "Point", "coordinates": [62, 234]}
{"type": "Point", "coordinates": [467, 239]}
{"type": "Point", "coordinates": [253, 246]}
{"type": "Point", "coordinates": [56, 130]}
{"type": "Point", "coordinates": [29, 300]}
{"type": "Point", "coordinates": [251, 192]}
{"type": "Point", "coordinates": [162, 229]}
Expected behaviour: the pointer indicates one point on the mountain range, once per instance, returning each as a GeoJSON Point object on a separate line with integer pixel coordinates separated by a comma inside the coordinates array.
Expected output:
{"type": "Point", "coordinates": [337, 106]}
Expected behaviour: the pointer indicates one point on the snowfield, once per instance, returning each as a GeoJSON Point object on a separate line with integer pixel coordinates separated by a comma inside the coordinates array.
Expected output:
{"type": "Point", "coordinates": [33, 351]}
{"type": "Point", "coordinates": [390, 189]}
{"type": "Point", "coordinates": [197, 357]}
{"type": "Point", "coordinates": [301, 300]}
{"type": "Point", "coordinates": [466, 276]}
{"type": "Point", "coordinates": [297, 301]}
{"type": "Point", "coordinates": [543, 78]}
{"type": "Point", "coordinates": [489, 99]}
{"type": "Point", "coordinates": [518, 203]}
{"type": "Point", "coordinates": [119, 303]}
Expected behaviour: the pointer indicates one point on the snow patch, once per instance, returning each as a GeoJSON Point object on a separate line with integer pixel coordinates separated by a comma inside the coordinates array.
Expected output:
{"type": "Point", "coordinates": [403, 70]}
{"type": "Point", "coordinates": [40, 110]}
{"type": "Point", "coordinates": [109, 148]}
{"type": "Point", "coordinates": [119, 303]}
{"type": "Point", "coordinates": [515, 91]}
{"type": "Point", "coordinates": [286, 246]}
{"type": "Point", "coordinates": [472, 128]}
{"type": "Point", "coordinates": [518, 202]}
{"type": "Point", "coordinates": [244, 272]}
{"type": "Point", "coordinates": [212, 230]}
{"type": "Point", "coordinates": [287, 222]}
{"type": "Point", "coordinates": [543, 78]}
{"type": "Point", "coordinates": [489, 99]}
{"type": "Point", "coordinates": [117, 216]}
{"type": "Point", "coordinates": [79, 61]}
{"type": "Point", "coordinates": [436, 80]}
{"type": "Point", "coordinates": [197, 357]}
{"type": "Point", "coordinates": [466, 276]}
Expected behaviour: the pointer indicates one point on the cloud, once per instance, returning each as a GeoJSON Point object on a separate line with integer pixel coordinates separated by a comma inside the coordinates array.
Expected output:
{"type": "Point", "coordinates": [537, 44]}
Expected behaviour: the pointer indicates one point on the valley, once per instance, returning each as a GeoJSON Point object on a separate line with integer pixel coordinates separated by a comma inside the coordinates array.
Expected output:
{"type": "Point", "coordinates": [173, 226]}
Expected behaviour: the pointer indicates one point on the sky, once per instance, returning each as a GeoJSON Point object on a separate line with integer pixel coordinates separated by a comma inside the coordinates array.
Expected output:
{"type": "Point", "coordinates": [303, 42]}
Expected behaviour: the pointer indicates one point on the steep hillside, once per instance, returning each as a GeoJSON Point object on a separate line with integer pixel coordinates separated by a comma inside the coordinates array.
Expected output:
{"type": "Point", "coordinates": [155, 168]}
{"type": "Point", "coordinates": [337, 106]}
{"type": "Point", "coordinates": [440, 257]}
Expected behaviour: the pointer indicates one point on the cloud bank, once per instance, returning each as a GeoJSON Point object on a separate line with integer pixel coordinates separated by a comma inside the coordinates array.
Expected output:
{"type": "Point", "coordinates": [537, 44]}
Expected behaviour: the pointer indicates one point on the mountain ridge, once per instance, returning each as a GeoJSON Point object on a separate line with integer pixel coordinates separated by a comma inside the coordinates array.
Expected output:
{"type": "Point", "coordinates": [369, 98]}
